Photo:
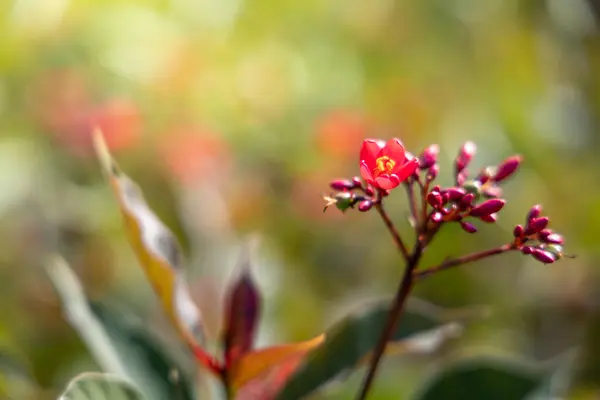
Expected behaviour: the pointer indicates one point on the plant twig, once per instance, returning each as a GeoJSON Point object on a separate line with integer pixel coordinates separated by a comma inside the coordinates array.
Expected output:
{"type": "Point", "coordinates": [392, 228]}
{"type": "Point", "coordinates": [402, 293]}
{"type": "Point", "coordinates": [409, 185]}
{"type": "Point", "coordinates": [455, 262]}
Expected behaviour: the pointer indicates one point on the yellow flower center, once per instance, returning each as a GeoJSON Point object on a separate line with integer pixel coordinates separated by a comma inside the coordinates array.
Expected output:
{"type": "Point", "coordinates": [383, 165]}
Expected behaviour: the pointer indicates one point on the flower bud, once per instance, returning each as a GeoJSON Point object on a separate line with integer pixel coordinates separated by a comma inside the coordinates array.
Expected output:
{"type": "Point", "coordinates": [518, 231]}
{"type": "Point", "coordinates": [455, 193]}
{"type": "Point", "coordinates": [536, 225]}
{"type": "Point", "coordinates": [466, 201]}
{"type": "Point", "coordinates": [534, 212]}
{"type": "Point", "coordinates": [434, 199]}
{"type": "Point", "coordinates": [357, 182]}
{"type": "Point", "coordinates": [472, 187]}
{"type": "Point", "coordinates": [365, 205]}
{"type": "Point", "coordinates": [485, 175]}
{"type": "Point", "coordinates": [436, 217]}
{"type": "Point", "coordinates": [544, 256]}
{"type": "Point", "coordinates": [429, 157]}
{"type": "Point", "coordinates": [461, 177]}
{"type": "Point", "coordinates": [527, 250]}
{"type": "Point", "coordinates": [369, 191]}
{"type": "Point", "coordinates": [556, 250]}
{"type": "Point", "coordinates": [445, 198]}
{"type": "Point", "coordinates": [507, 168]}
{"type": "Point", "coordinates": [342, 184]}
{"type": "Point", "coordinates": [554, 238]}
{"type": "Point", "coordinates": [489, 218]}
{"type": "Point", "coordinates": [487, 207]}
{"type": "Point", "coordinates": [433, 172]}
{"type": "Point", "coordinates": [465, 155]}
{"type": "Point", "coordinates": [468, 227]}
{"type": "Point", "coordinates": [491, 191]}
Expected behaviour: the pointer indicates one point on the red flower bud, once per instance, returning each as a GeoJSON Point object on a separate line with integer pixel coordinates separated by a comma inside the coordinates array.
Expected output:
{"type": "Point", "coordinates": [429, 156]}
{"type": "Point", "coordinates": [433, 172]}
{"type": "Point", "coordinates": [534, 212]}
{"type": "Point", "coordinates": [455, 193]}
{"type": "Point", "coordinates": [518, 231]}
{"type": "Point", "coordinates": [491, 191]}
{"type": "Point", "coordinates": [465, 155]}
{"type": "Point", "coordinates": [365, 205]}
{"type": "Point", "coordinates": [434, 199]}
{"type": "Point", "coordinates": [461, 178]}
{"type": "Point", "coordinates": [369, 191]}
{"type": "Point", "coordinates": [536, 225]}
{"type": "Point", "coordinates": [489, 218]}
{"type": "Point", "coordinates": [436, 217]}
{"type": "Point", "coordinates": [544, 256]}
{"type": "Point", "coordinates": [445, 198]}
{"type": "Point", "coordinates": [485, 175]}
{"type": "Point", "coordinates": [468, 227]}
{"type": "Point", "coordinates": [527, 250]}
{"type": "Point", "coordinates": [554, 238]}
{"type": "Point", "coordinates": [357, 182]}
{"type": "Point", "coordinates": [436, 188]}
{"type": "Point", "coordinates": [342, 184]}
{"type": "Point", "coordinates": [487, 207]}
{"type": "Point", "coordinates": [507, 168]}
{"type": "Point", "coordinates": [466, 201]}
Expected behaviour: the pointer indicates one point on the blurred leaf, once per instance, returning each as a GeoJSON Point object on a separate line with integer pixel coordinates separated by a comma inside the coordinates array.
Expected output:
{"type": "Point", "coordinates": [351, 341]}
{"type": "Point", "coordinates": [97, 386]}
{"type": "Point", "coordinates": [254, 364]}
{"type": "Point", "coordinates": [242, 313]}
{"type": "Point", "coordinates": [158, 252]}
{"type": "Point", "coordinates": [147, 363]}
{"type": "Point", "coordinates": [490, 379]}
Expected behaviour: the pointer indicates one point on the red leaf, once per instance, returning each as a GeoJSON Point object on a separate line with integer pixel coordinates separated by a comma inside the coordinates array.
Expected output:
{"type": "Point", "coordinates": [242, 313]}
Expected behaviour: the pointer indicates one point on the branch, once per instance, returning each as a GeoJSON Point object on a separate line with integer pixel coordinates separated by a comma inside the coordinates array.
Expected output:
{"type": "Point", "coordinates": [392, 228]}
{"type": "Point", "coordinates": [409, 185]}
{"type": "Point", "coordinates": [455, 262]}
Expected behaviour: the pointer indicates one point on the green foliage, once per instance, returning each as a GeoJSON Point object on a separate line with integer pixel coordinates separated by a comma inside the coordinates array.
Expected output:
{"type": "Point", "coordinates": [96, 386]}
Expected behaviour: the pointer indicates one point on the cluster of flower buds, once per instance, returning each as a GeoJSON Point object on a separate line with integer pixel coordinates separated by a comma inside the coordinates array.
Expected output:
{"type": "Point", "coordinates": [350, 193]}
{"type": "Point", "coordinates": [536, 239]}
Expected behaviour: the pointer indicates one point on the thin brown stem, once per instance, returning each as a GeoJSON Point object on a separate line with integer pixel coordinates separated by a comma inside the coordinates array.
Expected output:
{"type": "Point", "coordinates": [392, 228]}
{"type": "Point", "coordinates": [424, 191]}
{"type": "Point", "coordinates": [455, 262]}
{"type": "Point", "coordinates": [409, 185]}
{"type": "Point", "coordinates": [406, 285]}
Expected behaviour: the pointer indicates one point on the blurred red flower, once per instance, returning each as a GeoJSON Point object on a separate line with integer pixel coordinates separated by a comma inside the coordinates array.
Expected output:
{"type": "Point", "coordinates": [385, 165]}
{"type": "Point", "coordinates": [339, 132]}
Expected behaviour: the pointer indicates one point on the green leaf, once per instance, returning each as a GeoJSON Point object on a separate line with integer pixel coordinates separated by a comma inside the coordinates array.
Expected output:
{"type": "Point", "coordinates": [98, 386]}
{"type": "Point", "coordinates": [146, 361]}
{"type": "Point", "coordinates": [483, 378]}
{"type": "Point", "coordinates": [351, 341]}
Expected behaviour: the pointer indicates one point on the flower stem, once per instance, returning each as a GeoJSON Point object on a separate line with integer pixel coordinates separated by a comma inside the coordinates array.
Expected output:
{"type": "Point", "coordinates": [409, 185]}
{"type": "Point", "coordinates": [392, 228]}
{"type": "Point", "coordinates": [454, 262]}
{"type": "Point", "coordinates": [406, 285]}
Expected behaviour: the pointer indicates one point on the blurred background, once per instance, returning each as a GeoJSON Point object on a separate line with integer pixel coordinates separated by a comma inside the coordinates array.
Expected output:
{"type": "Point", "coordinates": [234, 116]}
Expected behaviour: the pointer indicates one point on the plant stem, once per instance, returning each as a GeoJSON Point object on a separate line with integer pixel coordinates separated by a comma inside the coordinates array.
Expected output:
{"type": "Point", "coordinates": [409, 185]}
{"type": "Point", "coordinates": [402, 293]}
{"type": "Point", "coordinates": [392, 228]}
{"type": "Point", "coordinates": [455, 262]}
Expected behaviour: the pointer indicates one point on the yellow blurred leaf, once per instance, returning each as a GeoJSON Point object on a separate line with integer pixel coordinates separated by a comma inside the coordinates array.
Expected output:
{"type": "Point", "coordinates": [256, 363]}
{"type": "Point", "coordinates": [157, 250]}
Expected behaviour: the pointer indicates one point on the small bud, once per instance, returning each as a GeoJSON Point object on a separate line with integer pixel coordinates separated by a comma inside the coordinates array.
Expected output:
{"type": "Point", "coordinates": [544, 233]}
{"type": "Point", "coordinates": [433, 172]}
{"type": "Point", "coordinates": [518, 231]}
{"type": "Point", "coordinates": [429, 157]}
{"type": "Point", "coordinates": [507, 168]}
{"type": "Point", "coordinates": [436, 217]}
{"type": "Point", "coordinates": [357, 182]}
{"type": "Point", "coordinates": [488, 207]}
{"type": "Point", "coordinates": [445, 198]}
{"type": "Point", "coordinates": [434, 199]}
{"type": "Point", "coordinates": [466, 201]}
{"type": "Point", "coordinates": [556, 250]}
{"type": "Point", "coordinates": [491, 192]}
{"type": "Point", "coordinates": [436, 188]}
{"type": "Point", "coordinates": [534, 212]}
{"type": "Point", "coordinates": [485, 175]}
{"type": "Point", "coordinates": [461, 177]}
{"type": "Point", "coordinates": [536, 225]}
{"type": "Point", "coordinates": [527, 250]}
{"type": "Point", "coordinates": [554, 238]}
{"type": "Point", "coordinates": [544, 256]}
{"type": "Point", "coordinates": [465, 155]}
{"type": "Point", "coordinates": [365, 205]}
{"type": "Point", "coordinates": [455, 193]}
{"type": "Point", "coordinates": [468, 227]}
{"type": "Point", "coordinates": [472, 187]}
{"type": "Point", "coordinates": [489, 218]}
{"type": "Point", "coordinates": [369, 191]}
{"type": "Point", "coordinates": [342, 184]}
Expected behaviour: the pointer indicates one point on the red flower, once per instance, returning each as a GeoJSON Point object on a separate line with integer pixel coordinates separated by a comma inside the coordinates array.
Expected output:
{"type": "Point", "coordinates": [386, 165]}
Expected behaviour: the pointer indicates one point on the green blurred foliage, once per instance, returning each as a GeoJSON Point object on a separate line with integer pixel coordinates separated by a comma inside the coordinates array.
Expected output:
{"type": "Point", "coordinates": [233, 116]}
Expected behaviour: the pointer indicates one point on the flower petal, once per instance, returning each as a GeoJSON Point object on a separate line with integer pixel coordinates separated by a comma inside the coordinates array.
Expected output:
{"type": "Point", "coordinates": [406, 169]}
{"type": "Point", "coordinates": [394, 150]}
{"type": "Point", "coordinates": [387, 182]}
{"type": "Point", "coordinates": [370, 151]}
{"type": "Point", "coordinates": [365, 172]}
